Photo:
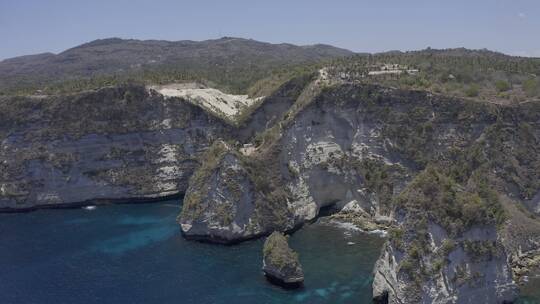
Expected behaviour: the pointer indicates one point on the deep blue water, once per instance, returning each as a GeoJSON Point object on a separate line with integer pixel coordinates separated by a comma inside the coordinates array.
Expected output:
{"type": "Point", "coordinates": [135, 254]}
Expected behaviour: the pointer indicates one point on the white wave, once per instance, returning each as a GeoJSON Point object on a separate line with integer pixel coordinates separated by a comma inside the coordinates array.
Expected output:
{"type": "Point", "coordinates": [349, 227]}
{"type": "Point", "coordinates": [380, 232]}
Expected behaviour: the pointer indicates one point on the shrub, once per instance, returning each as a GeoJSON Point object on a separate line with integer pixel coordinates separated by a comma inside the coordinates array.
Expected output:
{"type": "Point", "coordinates": [502, 86]}
{"type": "Point", "coordinates": [531, 87]}
{"type": "Point", "coordinates": [447, 247]}
{"type": "Point", "coordinates": [472, 91]}
{"type": "Point", "coordinates": [407, 266]}
{"type": "Point", "coordinates": [480, 250]}
{"type": "Point", "coordinates": [438, 264]}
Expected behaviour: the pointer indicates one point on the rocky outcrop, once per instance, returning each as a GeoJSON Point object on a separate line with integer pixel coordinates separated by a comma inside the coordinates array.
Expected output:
{"type": "Point", "coordinates": [115, 144]}
{"type": "Point", "coordinates": [224, 202]}
{"type": "Point", "coordinates": [280, 263]}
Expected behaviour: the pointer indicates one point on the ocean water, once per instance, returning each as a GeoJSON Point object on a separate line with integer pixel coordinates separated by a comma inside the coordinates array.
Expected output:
{"type": "Point", "coordinates": [135, 254]}
{"type": "Point", "coordinates": [530, 293]}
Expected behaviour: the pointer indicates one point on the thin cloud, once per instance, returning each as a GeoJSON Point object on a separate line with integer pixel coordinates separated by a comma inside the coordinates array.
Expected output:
{"type": "Point", "coordinates": [522, 15]}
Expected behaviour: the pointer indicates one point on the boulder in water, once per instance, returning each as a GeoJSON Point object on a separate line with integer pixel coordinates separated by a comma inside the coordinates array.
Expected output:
{"type": "Point", "coordinates": [280, 263]}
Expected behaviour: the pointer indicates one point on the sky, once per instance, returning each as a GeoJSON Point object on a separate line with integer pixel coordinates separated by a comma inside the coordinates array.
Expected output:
{"type": "Point", "coordinates": [509, 26]}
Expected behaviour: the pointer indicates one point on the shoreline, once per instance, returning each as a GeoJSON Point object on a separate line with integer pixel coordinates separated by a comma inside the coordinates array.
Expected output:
{"type": "Point", "coordinates": [94, 202]}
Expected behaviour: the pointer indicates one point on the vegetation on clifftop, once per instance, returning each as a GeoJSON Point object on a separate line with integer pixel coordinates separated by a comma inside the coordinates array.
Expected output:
{"type": "Point", "coordinates": [432, 196]}
{"type": "Point", "coordinates": [479, 74]}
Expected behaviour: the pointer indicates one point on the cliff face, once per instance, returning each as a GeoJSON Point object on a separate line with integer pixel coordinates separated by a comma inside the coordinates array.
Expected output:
{"type": "Point", "coordinates": [342, 147]}
{"type": "Point", "coordinates": [377, 151]}
{"type": "Point", "coordinates": [434, 168]}
{"type": "Point", "coordinates": [473, 271]}
{"type": "Point", "coordinates": [113, 144]}
{"type": "Point", "coordinates": [124, 143]}
{"type": "Point", "coordinates": [449, 253]}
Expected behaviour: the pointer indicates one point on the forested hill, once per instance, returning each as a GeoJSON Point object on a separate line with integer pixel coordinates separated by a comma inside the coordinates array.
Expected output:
{"type": "Point", "coordinates": [231, 63]}
{"type": "Point", "coordinates": [244, 66]}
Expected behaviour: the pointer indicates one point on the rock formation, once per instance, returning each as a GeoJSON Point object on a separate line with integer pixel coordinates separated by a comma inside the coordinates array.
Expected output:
{"type": "Point", "coordinates": [445, 174]}
{"type": "Point", "coordinates": [224, 203]}
{"type": "Point", "coordinates": [280, 262]}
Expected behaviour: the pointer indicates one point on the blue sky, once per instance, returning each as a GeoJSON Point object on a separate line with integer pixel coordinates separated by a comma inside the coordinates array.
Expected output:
{"type": "Point", "coordinates": [510, 26]}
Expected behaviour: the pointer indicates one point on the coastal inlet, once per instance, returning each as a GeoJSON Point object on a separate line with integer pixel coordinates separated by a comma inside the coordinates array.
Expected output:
{"type": "Point", "coordinates": [135, 254]}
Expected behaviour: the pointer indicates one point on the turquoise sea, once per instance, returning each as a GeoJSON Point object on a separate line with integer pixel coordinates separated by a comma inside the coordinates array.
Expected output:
{"type": "Point", "coordinates": [135, 254]}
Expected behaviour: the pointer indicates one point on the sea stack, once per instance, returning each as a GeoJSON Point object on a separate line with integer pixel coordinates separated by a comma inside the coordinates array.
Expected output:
{"type": "Point", "coordinates": [280, 262]}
